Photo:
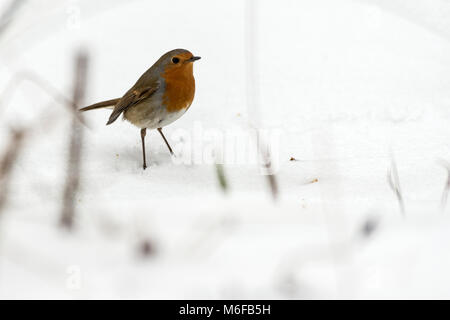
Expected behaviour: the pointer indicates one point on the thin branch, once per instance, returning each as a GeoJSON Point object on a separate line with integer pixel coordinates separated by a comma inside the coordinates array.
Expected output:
{"type": "Point", "coordinates": [42, 84]}
{"type": "Point", "coordinates": [8, 15]}
{"type": "Point", "coordinates": [253, 90]}
{"type": "Point", "coordinates": [268, 170]}
{"type": "Point", "coordinates": [445, 192]}
{"type": "Point", "coordinates": [394, 183]}
{"type": "Point", "coordinates": [75, 146]}
{"type": "Point", "coordinates": [7, 161]}
{"type": "Point", "coordinates": [221, 177]}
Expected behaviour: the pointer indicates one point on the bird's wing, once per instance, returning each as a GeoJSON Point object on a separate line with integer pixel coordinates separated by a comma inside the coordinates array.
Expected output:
{"type": "Point", "coordinates": [131, 98]}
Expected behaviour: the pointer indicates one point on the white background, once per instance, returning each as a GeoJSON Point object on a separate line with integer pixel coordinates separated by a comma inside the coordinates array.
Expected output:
{"type": "Point", "coordinates": [347, 83]}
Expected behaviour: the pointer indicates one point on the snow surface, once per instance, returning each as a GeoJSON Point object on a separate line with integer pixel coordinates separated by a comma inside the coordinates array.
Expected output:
{"type": "Point", "coordinates": [343, 85]}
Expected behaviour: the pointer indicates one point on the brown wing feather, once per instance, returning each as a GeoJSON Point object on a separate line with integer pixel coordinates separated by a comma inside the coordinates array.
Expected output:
{"type": "Point", "coordinates": [132, 97]}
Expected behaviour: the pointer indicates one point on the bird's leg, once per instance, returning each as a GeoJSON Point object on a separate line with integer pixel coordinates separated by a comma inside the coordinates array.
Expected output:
{"type": "Point", "coordinates": [143, 133]}
{"type": "Point", "coordinates": [165, 140]}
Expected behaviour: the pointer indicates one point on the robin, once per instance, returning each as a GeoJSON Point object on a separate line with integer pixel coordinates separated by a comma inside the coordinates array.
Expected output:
{"type": "Point", "coordinates": [159, 97]}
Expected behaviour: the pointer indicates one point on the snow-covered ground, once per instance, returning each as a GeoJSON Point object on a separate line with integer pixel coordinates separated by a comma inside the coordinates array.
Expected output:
{"type": "Point", "coordinates": [345, 86]}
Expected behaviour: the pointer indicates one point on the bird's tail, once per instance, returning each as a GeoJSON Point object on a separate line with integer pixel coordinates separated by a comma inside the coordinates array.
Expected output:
{"type": "Point", "coordinates": [104, 104]}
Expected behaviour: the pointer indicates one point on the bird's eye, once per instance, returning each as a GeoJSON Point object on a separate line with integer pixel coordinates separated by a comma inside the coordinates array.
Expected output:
{"type": "Point", "coordinates": [175, 60]}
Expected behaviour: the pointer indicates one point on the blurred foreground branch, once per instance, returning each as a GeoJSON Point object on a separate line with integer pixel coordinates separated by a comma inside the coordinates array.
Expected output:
{"type": "Point", "coordinates": [7, 161]}
{"type": "Point", "coordinates": [444, 196]}
{"type": "Point", "coordinates": [75, 145]}
{"type": "Point", "coordinates": [394, 183]}
{"type": "Point", "coordinates": [266, 159]}
{"type": "Point", "coordinates": [41, 83]}
{"type": "Point", "coordinates": [220, 173]}
{"type": "Point", "coordinates": [253, 91]}
{"type": "Point", "coordinates": [8, 14]}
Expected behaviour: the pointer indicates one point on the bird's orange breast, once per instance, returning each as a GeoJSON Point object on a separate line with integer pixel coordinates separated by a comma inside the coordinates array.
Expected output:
{"type": "Point", "coordinates": [180, 88]}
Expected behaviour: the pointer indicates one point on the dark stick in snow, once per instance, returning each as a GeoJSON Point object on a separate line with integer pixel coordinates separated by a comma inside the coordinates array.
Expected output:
{"type": "Point", "coordinates": [444, 196]}
{"type": "Point", "coordinates": [221, 177]}
{"type": "Point", "coordinates": [75, 146]}
{"type": "Point", "coordinates": [6, 163]}
{"type": "Point", "coordinates": [253, 94]}
{"type": "Point", "coordinates": [394, 183]}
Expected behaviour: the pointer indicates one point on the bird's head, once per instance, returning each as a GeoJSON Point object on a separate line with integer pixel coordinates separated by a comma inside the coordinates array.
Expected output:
{"type": "Point", "coordinates": [177, 61]}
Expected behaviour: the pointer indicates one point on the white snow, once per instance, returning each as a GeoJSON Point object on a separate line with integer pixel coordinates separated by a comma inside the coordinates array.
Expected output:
{"type": "Point", "coordinates": [343, 85]}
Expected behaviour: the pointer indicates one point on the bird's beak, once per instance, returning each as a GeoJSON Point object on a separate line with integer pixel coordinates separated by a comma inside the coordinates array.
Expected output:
{"type": "Point", "coordinates": [193, 59]}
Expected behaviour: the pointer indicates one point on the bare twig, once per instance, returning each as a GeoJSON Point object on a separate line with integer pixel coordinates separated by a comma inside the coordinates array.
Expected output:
{"type": "Point", "coordinates": [75, 146]}
{"type": "Point", "coordinates": [14, 148]}
{"type": "Point", "coordinates": [273, 185]}
{"type": "Point", "coordinates": [8, 15]}
{"type": "Point", "coordinates": [41, 83]}
{"type": "Point", "coordinates": [253, 91]}
{"type": "Point", "coordinates": [445, 192]}
{"type": "Point", "coordinates": [444, 196]}
{"type": "Point", "coordinates": [394, 183]}
{"type": "Point", "coordinates": [221, 177]}
{"type": "Point", "coordinates": [268, 171]}
{"type": "Point", "coordinates": [7, 161]}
